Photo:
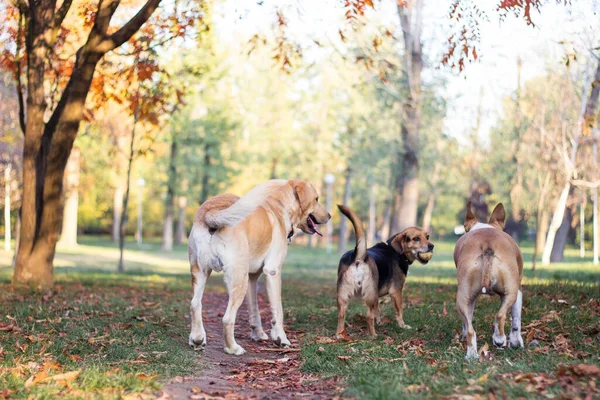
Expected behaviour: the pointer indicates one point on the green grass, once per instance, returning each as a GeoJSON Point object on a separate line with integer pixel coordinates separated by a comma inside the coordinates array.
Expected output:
{"type": "Point", "coordinates": [127, 333]}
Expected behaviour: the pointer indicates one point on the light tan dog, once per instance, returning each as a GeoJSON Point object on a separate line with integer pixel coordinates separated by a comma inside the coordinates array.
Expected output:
{"type": "Point", "coordinates": [244, 237]}
{"type": "Point", "coordinates": [371, 273]}
{"type": "Point", "coordinates": [488, 261]}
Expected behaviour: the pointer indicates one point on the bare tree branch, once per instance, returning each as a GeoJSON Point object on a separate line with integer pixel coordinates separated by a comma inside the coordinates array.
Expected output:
{"type": "Point", "coordinates": [581, 182]}
{"type": "Point", "coordinates": [129, 29]}
{"type": "Point", "coordinates": [61, 13]}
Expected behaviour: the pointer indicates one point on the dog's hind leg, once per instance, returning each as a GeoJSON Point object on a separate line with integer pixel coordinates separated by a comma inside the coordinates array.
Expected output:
{"type": "Point", "coordinates": [236, 280]}
{"type": "Point", "coordinates": [256, 329]}
{"type": "Point", "coordinates": [197, 337]}
{"type": "Point", "coordinates": [372, 312]}
{"type": "Point", "coordinates": [342, 304]}
{"type": "Point", "coordinates": [516, 340]}
{"type": "Point", "coordinates": [464, 306]}
{"type": "Point", "coordinates": [463, 335]}
{"type": "Point", "coordinates": [499, 337]}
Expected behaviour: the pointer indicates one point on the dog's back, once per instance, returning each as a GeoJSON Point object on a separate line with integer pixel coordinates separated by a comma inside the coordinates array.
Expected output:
{"type": "Point", "coordinates": [486, 252]}
{"type": "Point", "coordinates": [482, 253]}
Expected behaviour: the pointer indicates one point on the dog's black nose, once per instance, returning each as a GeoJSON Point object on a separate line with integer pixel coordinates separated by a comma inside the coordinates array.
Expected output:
{"type": "Point", "coordinates": [328, 216]}
{"type": "Point", "coordinates": [430, 246]}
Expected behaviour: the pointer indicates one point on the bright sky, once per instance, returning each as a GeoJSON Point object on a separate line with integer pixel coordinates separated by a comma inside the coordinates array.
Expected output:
{"type": "Point", "coordinates": [501, 45]}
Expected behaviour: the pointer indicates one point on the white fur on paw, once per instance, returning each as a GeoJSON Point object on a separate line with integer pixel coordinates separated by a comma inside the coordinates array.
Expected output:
{"type": "Point", "coordinates": [404, 326]}
{"type": "Point", "coordinates": [282, 342]}
{"type": "Point", "coordinates": [499, 341]}
{"type": "Point", "coordinates": [516, 340]}
{"type": "Point", "coordinates": [235, 350]}
{"type": "Point", "coordinates": [258, 336]}
{"type": "Point", "coordinates": [197, 344]}
{"type": "Point", "coordinates": [471, 354]}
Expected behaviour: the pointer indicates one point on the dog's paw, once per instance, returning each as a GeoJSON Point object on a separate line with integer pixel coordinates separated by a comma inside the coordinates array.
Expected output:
{"type": "Point", "coordinates": [516, 340]}
{"type": "Point", "coordinates": [258, 336]}
{"type": "Point", "coordinates": [404, 326]}
{"type": "Point", "coordinates": [235, 350]}
{"type": "Point", "coordinates": [285, 343]}
{"type": "Point", "coordinates": [471, 354]}
{"type": "Point", "coordinates": [499, 341]}
{"type": "Point", "coordinates": [198, 343]}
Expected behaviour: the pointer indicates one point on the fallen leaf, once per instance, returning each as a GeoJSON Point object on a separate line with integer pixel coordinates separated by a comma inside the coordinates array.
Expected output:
{"type": "Point", "coordinates": [67, 376]}
{"type": "Point", "coordinates": [484, 350]}
{"type": "Point", "coordinates": [530, 336]}
{"type": "Point", "coordinates": [416, 388]}
{"type": "Point", "coordinates": [344, 358]}
{"type": "Point", "coordinates": [321, 348]}
{"type": "Point", "coordinates": [324, 340]}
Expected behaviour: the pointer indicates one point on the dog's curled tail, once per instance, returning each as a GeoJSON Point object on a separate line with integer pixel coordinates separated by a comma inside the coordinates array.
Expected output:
{"type": "Point", "coordinates": [486, 269]}
{"type": "Point", "coordinates": [242, 208]}
{"type": "Point", "coordinates": [359, 232]}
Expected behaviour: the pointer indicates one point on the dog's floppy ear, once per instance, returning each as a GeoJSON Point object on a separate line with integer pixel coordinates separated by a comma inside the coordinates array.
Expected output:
{"type": "Point", "coordinates": [470, 218]}
{"type": "Point", "coordinates": [398, 243]}
{"type": "Point", "coordinates": [498, 217]}
{"type": "Point", "coordinates": [300, 192]}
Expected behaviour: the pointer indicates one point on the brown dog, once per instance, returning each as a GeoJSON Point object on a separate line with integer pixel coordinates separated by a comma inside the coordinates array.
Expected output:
{"type": "Point", "coordinates": [371, 273]}
{"type": "Point", "coordinates": [244, 237]}
{"type": "Point", "coordinates": [488, 261]}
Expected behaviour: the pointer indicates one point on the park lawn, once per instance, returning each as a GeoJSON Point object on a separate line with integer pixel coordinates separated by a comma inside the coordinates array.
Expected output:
{"type": "Point", "coordinates": [117, 335]}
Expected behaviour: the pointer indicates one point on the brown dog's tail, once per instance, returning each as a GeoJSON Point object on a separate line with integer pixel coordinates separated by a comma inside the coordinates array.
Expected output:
{"type": "Point", "coordinates": [486, 270]}
{"type": "Point", "coordinates": [359, 232]}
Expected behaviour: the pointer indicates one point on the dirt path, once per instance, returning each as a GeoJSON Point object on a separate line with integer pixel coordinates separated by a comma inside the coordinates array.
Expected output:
{"type": "Point", "coordinates": [264, 372]}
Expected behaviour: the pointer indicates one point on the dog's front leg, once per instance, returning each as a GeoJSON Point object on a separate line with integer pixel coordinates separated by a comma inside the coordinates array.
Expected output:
{"type": "Point", "coordinates": [273, 280]}
{"type": "Point", "coordinates": [256, 329]}
{"type": "Point", "coordinates": [396, 295]}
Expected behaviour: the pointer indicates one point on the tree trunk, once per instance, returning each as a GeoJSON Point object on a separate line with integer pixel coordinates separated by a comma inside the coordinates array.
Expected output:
{"type": "Point", "coordinates": [595, 227]}
{"type": "Point", "coordinates": [205, 176]}
{"type": "Point", "coordinates": [428, 212]}
{"type": "Point", "coordinates": [346, 200]}
{"type": "Point", "coordinates": [557, 220]}
{"type": "Point", "coordinates": [562, 234]}
{"type": "Point", "coordinates": [582, 227]}
{"type": "Point", "coordinates": [372, 214]}
{"type": "Point", "coordinates": [180, 233]}
{"type": "Point", "coordinates": [117, 212]}
{"type": "Point", "coordinates": [17, 237]}
{"type": "Point", "coordinates": [125, 214]}
{"type": "Point", "coordinates": [274, 168]}
{"type": "Point", "coordinates": [7, 208]}
{"type": "Point", "coordinates": [406, 201]}
{"type": "Point", "coordinates": [540, 234]}
{"type": "Point", "coordinates": [595, 201]}
{"type": "Point", "coordinates": [167, 242]}
{"type": "Point", "coordinates": [68, 236]}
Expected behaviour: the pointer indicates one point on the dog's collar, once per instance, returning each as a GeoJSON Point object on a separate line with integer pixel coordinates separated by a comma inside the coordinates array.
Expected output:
{"type": "Point", "coordinates": [404, 263]}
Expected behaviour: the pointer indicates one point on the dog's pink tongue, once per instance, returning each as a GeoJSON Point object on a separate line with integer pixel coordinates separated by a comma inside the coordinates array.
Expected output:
{"type": "Point", "coordinates": [314, 226]}
{"type": "Point", "coordinates": [317, 231]}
